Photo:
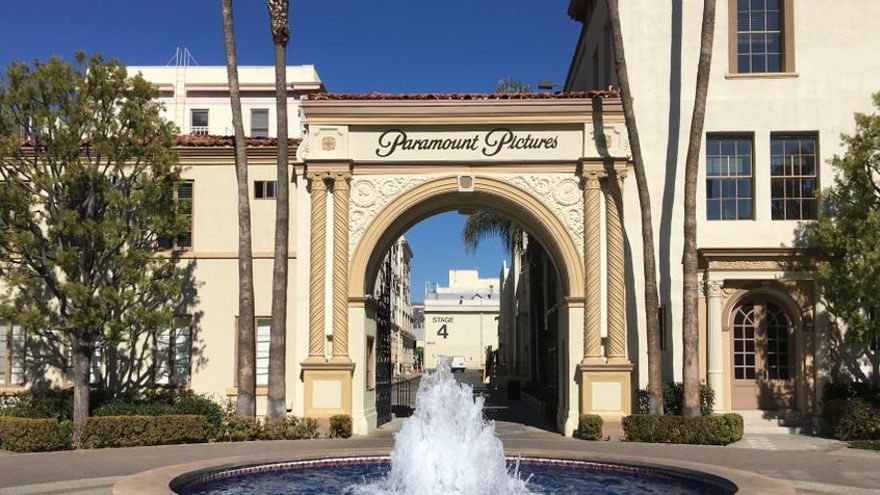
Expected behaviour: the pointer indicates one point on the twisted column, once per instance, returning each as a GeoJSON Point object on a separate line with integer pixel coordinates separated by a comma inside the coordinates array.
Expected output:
{"type": "Point", "coordinates": [340, 264]}
{"type": "Point", "coordinates": [317, 275]}
{"type": "Point", "coordinates": [616, 298]}
{"type": "Point", "coordinates": [592, 264]}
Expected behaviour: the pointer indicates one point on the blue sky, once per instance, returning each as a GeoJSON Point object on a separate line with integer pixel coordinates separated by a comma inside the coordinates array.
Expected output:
{"type": "Point", "coordinates": [356, 46]}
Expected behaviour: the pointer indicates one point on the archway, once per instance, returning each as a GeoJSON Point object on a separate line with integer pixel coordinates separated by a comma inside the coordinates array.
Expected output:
{"type": "Point", "coordinates": [763, 328]}
{"type": "Point", "coordinates": [445, 194]}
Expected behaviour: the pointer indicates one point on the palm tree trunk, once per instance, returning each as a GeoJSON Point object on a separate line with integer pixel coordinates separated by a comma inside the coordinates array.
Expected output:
{"type": "Point", "coordinates": [690, 296]}
{"type": "Point", "coordinates": [245, 404]}
{"type": "Point", "coordinates": [277, 406]}
{"type": "Point", "coordinates": [655, 373]}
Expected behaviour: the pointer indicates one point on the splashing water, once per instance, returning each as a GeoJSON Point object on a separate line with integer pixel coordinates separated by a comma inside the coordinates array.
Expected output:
{"type": "Point", "coordinates": [446, 447]}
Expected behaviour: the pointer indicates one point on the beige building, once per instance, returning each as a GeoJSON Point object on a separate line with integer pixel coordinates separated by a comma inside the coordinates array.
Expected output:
{"type": "Point", "coordinates": [403, 341]}
{"type": "Point", "coordinates": [782, 91]}
{"type": "Point", "coordinates": [461, 319]}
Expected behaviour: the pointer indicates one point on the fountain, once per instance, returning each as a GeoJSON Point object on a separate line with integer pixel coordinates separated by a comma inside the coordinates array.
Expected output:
{"type": "Point", "coordinates": [447, 447]}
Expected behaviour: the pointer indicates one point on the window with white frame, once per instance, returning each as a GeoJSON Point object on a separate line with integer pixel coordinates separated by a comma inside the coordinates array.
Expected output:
{"type": "Point", "coordinates": [259, 122]}
{"type": "Point", "coordinates": [199, 121]}
{"type": "Point", "coordinates": [174, 353]}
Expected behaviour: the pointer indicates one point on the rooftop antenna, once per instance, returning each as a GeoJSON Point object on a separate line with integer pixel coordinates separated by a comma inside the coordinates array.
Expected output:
{"type": "Point", "coordinates": [181, 59]}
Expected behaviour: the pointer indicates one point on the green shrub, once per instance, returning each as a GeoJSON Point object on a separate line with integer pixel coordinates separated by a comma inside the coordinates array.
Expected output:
{"type": "Point", "coordinates": [673, 399]}
{"type": "Point", "coordinates": [852, 419]}
{"type": "Point", "coordinates": [42, 402]}
{"type": "Point", "coordinates": [340, 426]}
{"type": "Point", "coordinates": [238, 429]}
{"type": "Point", "coordinates": [702, 430]}
{"type": "Point", "coordinates": [288, 428]}
{"type": "Point", "coordinates": [133, 431]}
{"type": "Point", "coordinates": [163, 402]}
{"type": "Point", "coordinates": [34, 435]}
{"type": "Point", "coordinates": [589, 427]}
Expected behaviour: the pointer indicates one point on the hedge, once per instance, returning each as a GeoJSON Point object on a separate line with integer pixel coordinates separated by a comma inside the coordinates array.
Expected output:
{"type": "Point", "coordinates": [589, 427]}
{"type": "Point", "coordinates": [340, 426]}
{"type": "Point", "coordinates": [702, 430]}
{"type": "Point", "coordinates": [288, 428]}
{"type": "Point", "coordinates": [673, 399]}
{"type": "Point", "coordinates": [134, 431]}
{"type": "Point", "coordinates": [852, 419]}
{"type": "Point", "coordinates": [34, 435]}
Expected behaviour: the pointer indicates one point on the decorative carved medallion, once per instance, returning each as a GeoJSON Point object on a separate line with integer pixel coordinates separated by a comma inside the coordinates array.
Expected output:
{"type": "Point", "coordinates": [562, 194]}
{"type": "Point", "coordinates": [328, 143]}
{"type": "Point", "coordinates": [369, 195]}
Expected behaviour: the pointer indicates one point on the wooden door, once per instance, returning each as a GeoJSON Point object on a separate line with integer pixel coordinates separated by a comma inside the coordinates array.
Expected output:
{"type": "Point", "coordinates": [762, 346]}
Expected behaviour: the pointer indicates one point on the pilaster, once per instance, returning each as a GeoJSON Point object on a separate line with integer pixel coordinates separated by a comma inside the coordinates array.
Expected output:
{"type": "Point", "coordinates": [340, 265]}
{"type": "Point", "coordinates": [592, 264]}
{"type": "Point", "coordinates": [317, 269]}
{"type": "Point", "coordinates": [615, 267]}
{"type": "Point", "coordinates": [715, 351]}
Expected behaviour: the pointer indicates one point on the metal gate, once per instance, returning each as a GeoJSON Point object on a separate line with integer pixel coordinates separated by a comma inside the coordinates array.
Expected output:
{"type": "Point", "coordinates": [383, 347]}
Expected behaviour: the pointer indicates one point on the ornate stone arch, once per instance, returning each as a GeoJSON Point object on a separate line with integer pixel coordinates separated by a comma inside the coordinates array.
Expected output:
{"type": "Point", "coordinates": [443, 194]}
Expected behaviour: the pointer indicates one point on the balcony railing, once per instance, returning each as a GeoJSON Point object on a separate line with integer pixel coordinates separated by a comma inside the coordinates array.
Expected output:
{"type": "Point", "coordinates": [201, 130]}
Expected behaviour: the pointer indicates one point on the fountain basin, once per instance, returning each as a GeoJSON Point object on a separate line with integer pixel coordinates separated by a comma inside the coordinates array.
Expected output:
{"type": "Point", "coordinates": [356, 475]}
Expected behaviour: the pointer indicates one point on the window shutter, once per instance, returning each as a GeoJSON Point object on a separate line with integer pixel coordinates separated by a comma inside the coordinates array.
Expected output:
{"type": "Point", "coordinates": [264, 326]}
{"type": "Point", "coordinates": [259, 122]}
{"type": "Point", "coordinates": [16, 356]}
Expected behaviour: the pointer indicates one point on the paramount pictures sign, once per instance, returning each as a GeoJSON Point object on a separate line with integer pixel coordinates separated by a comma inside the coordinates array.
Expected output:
{"type": "Point", "coordinates": [496, 143]}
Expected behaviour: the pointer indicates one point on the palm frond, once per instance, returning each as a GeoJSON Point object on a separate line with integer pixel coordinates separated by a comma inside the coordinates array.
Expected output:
{"type": "Point", "coordinates": [484, 224]}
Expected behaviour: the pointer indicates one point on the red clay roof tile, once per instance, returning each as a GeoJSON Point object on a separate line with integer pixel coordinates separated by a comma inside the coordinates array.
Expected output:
{"type": "Point", "coordinates": [465, 96]}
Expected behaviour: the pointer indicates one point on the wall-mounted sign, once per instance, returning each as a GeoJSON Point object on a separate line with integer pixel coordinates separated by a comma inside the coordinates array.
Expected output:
{"type": "Point", "coordinates": [513, 142]}
{"type": "Point", "coordinates": [489, 143]}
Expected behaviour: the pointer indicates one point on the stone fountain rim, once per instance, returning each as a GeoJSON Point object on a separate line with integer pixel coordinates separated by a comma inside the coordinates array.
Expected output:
{"type": "Point", "coordinates": [159, 480]}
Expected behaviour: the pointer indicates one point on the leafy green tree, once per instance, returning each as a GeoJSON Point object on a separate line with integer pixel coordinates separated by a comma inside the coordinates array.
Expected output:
{"type": "Point", "coordinates": [848, 233]}
{"type": "Point", "coordinates": [85, 203]}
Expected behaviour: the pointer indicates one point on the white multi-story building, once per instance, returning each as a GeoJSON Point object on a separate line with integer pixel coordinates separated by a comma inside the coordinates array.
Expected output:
{"type": "Point", "coordinates": [196, 97]}
{"type": "Point", "coordinates": [403, 341]}
{"type": "Point", "coordinates": [461, 319]}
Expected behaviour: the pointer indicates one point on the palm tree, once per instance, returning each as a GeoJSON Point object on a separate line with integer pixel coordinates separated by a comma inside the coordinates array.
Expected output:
{"type": "Point", "coordinates": [277, 407]}
{"type": "Point", "coordinates": [486, 223]}
{"type": "Point", "coordinates": [690, 296]}
{"type": "Point", "coordinates": [655, 373]}
{"type": "Point", "coordinates": [247, 379]}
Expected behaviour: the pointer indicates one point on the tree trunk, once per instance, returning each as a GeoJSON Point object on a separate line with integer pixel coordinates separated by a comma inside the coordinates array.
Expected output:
{"type": "Point", "coordinates": [247, 378]}
{"type": "Point", "coordinates": [690, 296]}
{"type": "Point", "coordinates": [655, 373]}
{"type": "Point", "coordinates": [81, 352]}
{"type": "Point", "coordinates": [277, 406]}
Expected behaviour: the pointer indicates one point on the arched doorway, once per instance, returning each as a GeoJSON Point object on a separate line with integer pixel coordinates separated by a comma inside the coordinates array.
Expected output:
{"type": "Point", "coordinates": [558, 349]}
{"type": "Point", "coordinates": [762, 343]}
